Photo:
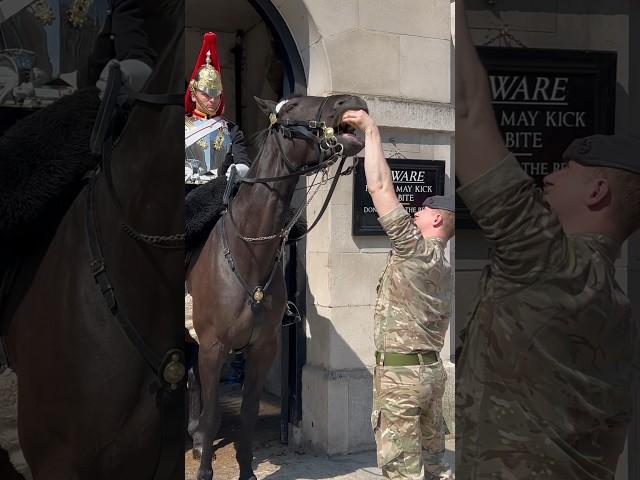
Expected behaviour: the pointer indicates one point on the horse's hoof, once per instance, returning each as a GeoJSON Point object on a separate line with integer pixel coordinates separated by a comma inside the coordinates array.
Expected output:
{"type": "Point", "coordinates": [205, 474]}
{"type": "Point", "coordinates": [197, 453]}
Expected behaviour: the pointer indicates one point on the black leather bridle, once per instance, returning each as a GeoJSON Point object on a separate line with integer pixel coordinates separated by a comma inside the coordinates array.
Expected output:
{"type": "Point", "coordinates": [326, 145]}
{"type": "Point", "coordinates": [314, 131]}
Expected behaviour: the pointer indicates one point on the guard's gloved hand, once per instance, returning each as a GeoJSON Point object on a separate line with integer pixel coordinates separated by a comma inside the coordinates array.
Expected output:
{"type": "Point", "coordinates": [134, 75]}
{"type": "Point", "coordinates": [241, 170]}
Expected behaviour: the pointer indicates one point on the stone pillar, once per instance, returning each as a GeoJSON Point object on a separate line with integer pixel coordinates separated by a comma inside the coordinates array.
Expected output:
{"type": "Point", "coordinates": [396, 54]}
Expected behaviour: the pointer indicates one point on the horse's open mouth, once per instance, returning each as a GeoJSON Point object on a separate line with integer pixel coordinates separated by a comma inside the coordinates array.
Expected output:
{"type": "Point", "coordinates": [345, 129]}
{"type": "Point", "coordinates": [346, 135]}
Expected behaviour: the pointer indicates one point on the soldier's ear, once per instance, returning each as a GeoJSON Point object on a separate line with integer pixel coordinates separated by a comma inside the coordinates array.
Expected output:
{"type": "Point", "coordinates": [267, 106]}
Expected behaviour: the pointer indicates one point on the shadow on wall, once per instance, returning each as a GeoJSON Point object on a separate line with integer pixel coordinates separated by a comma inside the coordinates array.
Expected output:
{"type": "Point", "coordinates": [346, 394]}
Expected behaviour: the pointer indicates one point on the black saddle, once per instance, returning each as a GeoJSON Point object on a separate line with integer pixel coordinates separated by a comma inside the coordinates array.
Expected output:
{"type": "Point", "coordinates": [43, 158]}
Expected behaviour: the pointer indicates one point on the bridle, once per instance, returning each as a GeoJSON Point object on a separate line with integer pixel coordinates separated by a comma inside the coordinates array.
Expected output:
{"type": "Point", "coordinates": [326, 144]}
{"type": "Point", "coordinates": [314, 131]}
{"type": "Point", "coordinates": [169, 369]}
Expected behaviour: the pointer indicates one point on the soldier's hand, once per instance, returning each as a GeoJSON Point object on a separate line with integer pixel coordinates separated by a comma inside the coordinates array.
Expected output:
{"type": "Point", "coordinates": [360, 120]}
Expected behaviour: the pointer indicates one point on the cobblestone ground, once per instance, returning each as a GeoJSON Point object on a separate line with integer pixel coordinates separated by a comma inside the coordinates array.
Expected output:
{"type": "Point", "coordinates": [274, 461]}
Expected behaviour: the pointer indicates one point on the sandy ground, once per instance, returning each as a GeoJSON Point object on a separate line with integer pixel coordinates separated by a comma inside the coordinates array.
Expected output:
{"type": "Point", "coordinates": [275, 461]}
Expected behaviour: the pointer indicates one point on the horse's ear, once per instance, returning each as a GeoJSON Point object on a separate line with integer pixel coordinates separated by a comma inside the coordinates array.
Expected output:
{"type": "Point", "coordinates": [267, 106]}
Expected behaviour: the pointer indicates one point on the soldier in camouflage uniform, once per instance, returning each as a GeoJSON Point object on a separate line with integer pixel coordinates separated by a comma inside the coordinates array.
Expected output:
{"type": "Point", "coordinates": [545, 376]}
{"type": "Point", "coordinates": [411, 319]}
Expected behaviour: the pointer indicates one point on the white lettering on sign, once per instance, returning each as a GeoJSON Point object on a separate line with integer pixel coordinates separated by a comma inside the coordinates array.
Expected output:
{"type": "Point", "coordinates": [523, 139]}
{"type": "Point", "coordinates": [507, 88]}
{"type": "Point", "coordinates": [406, 198]}
{"type": "Point", "coordinates": [408, 176]}
{"type": "Point", "coordinates": [566, 119]}
{"type": "Point", "coordinates": [521, 119]}
{"type": "Point", "coordinates": [535, 168]}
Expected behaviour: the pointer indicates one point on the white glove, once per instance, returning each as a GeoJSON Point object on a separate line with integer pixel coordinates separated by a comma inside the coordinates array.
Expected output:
{"type": "Point", "coordinates": [241, 170]}
{"type": "Point", "coordinates": [134, 75]}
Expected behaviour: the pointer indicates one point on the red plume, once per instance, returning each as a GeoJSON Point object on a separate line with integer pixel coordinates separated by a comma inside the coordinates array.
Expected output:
{"type": "Point", "coordinates": [209, 43]}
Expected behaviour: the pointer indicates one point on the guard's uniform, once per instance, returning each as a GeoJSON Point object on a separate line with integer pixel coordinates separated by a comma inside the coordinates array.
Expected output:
{"type": "Point", "coordinates": [212, 152]}
{"type": "Point", "coordinates": [212, 143]}
{"type": "Point", "coordinates": [545, 373]}
{"type": "Point", "coordinates": [411, 319]}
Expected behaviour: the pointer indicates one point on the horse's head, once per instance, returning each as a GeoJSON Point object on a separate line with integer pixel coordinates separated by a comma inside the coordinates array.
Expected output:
{"type": "Point", "coordinates": [321, 119]}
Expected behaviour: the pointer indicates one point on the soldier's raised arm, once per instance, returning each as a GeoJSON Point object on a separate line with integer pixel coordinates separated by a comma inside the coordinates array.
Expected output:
{"type": "Point", "coordinates": [376, 169]}
{"type": "Point", "coordinates": [479, 144]}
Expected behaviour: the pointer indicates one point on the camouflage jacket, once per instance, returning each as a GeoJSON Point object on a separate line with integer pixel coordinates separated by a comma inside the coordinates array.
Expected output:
{"type": "Point", "coordinates": [414, 292]}
{"type": "Point", "coordinates": [543, 381]}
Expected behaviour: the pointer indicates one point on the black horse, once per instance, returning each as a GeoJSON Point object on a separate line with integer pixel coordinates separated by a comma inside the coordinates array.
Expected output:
{"type": "Point", "coordinates": [94, 310]}
{"type": "Point", "coordinates": [237, 285]}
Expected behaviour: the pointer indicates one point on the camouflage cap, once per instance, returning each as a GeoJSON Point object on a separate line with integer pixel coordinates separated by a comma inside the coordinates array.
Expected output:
{"type": "Point", "coordinates": [612, 151]}
{"type": "Point", "coordinates": [440, 202]}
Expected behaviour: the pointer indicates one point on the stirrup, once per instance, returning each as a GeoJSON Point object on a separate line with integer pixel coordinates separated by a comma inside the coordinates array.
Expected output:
{"type": "Point", "coordinates": [292, 311]}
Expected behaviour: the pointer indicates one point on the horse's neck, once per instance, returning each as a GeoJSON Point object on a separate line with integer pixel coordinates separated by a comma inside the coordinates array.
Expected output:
{"type": "Point", "coordinates": [144, 166]}
{"type": "Point", "coordinates": [260, 209]}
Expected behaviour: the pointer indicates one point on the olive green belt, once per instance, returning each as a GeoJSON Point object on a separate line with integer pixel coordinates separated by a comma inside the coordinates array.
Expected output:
{"type": "Point", "coordinates": [406, 359]}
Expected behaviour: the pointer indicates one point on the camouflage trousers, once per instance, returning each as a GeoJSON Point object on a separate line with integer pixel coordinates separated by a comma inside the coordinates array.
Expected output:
{"type": "Point", "coordinates": [407, 421]}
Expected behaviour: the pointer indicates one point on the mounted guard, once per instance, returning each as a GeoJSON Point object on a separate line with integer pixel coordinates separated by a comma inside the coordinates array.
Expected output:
{"type": "Point", "coordinates": [212, 143]}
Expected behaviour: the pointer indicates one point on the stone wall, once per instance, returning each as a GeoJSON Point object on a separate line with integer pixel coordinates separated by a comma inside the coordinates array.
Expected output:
{"type": "Point", "coordinates": [397, 55]}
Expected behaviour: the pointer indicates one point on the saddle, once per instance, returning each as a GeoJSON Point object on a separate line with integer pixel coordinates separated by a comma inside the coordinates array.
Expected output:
{"type": "Point", "coordinates": [203, 207]}
{"type": "Point", "coordinates": [43, 159]}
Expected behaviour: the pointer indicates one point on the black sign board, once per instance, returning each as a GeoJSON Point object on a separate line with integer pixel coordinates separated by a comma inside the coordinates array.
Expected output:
{"type": "Point", "coordinates": [414, 181]}
{"type": "Point", "coordinates": [545, 99]}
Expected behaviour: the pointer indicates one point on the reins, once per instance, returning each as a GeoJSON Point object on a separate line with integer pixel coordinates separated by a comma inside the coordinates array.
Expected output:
{"type": "Point", "coordinates": [326, 145]}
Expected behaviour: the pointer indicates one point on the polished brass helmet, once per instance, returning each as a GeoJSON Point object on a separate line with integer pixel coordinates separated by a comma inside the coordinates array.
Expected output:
{"type": "Point", "coordinates": [207, 79]}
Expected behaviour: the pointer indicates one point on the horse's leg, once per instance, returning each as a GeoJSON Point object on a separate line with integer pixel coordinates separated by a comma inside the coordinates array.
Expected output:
{"type": "Point", "coordinates": [195, 409]}
{"type": "Point", "coordinates": [210, 361]}
{"type": "Point", "coordinates": [194, 399]}
{"type": "Point", "coordinates": [259, 359]}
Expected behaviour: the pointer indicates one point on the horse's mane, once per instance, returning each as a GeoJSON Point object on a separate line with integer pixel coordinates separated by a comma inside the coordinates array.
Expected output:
{"type": "Point", "coordinates": [259, 140]}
